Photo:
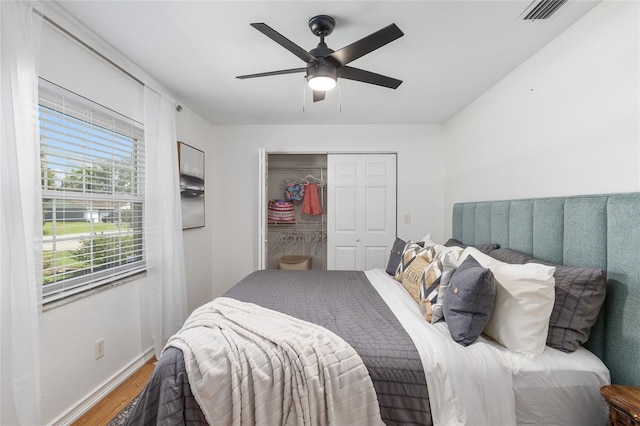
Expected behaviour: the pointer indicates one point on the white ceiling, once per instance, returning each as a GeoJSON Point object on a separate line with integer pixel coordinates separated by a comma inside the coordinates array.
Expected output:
{"type": "Point", "coordinates": [451, 53]}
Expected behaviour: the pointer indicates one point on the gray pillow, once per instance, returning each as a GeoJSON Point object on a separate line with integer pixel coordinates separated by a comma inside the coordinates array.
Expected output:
{"type": "Point", "coordinates": [469, 301]}
{"type": "Point", "coordinates": [396, 255]}
{"type": "Point", "coordinates": [507, 255]}
{"type": "Point", "coordinates": [394, 258]}
{"type": "Point", "coordinates": [484, 248]}
{"type": "Point", "coordinates": [580, 293]}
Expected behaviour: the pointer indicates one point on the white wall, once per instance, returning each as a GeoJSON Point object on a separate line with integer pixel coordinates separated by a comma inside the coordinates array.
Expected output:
{"type": "Point", "coordinates": [420, 171]}
{"type": "Point", "coordinates": [70, 374]}
{"type": "Point", "coordinates": [565, 122]}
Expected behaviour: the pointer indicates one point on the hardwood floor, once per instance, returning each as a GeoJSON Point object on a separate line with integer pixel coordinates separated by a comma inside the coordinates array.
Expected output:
{"type": "Point", "coordinates": [105, 410]}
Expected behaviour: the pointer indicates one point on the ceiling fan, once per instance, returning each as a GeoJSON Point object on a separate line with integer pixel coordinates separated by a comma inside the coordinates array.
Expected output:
{"type": "Point", "coordinates": [324, 65]}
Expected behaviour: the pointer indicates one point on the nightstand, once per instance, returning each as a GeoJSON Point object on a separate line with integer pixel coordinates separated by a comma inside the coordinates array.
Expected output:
{"type": "Point", "coordinates": [624, 404]}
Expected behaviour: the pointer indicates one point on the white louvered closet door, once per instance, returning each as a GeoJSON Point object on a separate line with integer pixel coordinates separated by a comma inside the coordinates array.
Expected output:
{"type": "Point", "coordinates": [361, 219]}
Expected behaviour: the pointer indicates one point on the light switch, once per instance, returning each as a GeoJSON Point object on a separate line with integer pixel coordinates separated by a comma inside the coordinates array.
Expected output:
{"type": "Point", "coordinates": [407, 218]}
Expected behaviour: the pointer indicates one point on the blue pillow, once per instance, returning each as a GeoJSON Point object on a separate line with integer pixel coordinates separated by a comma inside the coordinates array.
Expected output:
{"type": "Point", "coordinates": [469, 301]}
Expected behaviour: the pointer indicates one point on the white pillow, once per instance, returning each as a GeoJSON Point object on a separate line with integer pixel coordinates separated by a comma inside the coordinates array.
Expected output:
{"type": "Point", "coordinates": [525, 295]}
{"type": "Point", "coordinates": [427, 240]}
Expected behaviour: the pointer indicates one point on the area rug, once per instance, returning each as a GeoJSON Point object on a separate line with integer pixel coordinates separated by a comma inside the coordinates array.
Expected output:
{"type": "Point", "coordinates": [121, 418]}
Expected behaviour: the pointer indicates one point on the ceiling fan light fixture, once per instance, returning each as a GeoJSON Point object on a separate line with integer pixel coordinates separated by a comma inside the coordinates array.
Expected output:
{"type": "Point", "coordinates": [322, 83]}
{"type": "Point", "coordinates": [321, 78]}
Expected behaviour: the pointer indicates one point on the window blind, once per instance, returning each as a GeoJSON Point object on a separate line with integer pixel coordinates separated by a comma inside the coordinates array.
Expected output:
{"type": "Point", "coordinates": [92, 165]}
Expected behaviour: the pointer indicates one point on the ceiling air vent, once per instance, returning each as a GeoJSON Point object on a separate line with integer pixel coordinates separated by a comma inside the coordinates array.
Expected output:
{"type": "Point", "coordinates": [543, 9]}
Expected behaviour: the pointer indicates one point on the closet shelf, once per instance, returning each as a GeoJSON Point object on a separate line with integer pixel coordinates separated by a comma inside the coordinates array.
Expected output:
{"type": "Point", "coordinates": [295, 168]}
{"type": "Point", "coordinates": [320, 185]}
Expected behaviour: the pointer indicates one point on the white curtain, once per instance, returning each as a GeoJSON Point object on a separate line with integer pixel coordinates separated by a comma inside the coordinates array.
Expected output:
{"type": "Point", "coordinates": [20, 216]}
{"type": "Point", "coordinates": [166, 282]}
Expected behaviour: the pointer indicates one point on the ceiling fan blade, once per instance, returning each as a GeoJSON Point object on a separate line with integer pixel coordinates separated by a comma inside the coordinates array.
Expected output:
{"type": "Point", "coordinates": [318, 95]}
{"type": "Point", "coordinates": [357, 74]}
{"type": "Point", "coordinates": [267, 74]}
{"type": "Point", "coordinates": [284, 42]}
{"type": "Point", "coordinates": [368, 44]}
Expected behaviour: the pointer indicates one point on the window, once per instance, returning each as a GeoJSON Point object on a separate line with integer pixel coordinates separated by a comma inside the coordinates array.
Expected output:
{"type": "Point", "coordinates": [92, 165]}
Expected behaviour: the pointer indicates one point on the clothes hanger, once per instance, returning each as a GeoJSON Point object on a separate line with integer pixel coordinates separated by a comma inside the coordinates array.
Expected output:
{"type": "Point", "coordinates": [312, 177]}
{"type": "Point", "coordinates": [292, 181]}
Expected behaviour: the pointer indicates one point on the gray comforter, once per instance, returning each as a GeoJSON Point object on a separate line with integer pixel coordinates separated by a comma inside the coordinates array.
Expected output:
{"type": "Point", "coordinates": [341, 301]}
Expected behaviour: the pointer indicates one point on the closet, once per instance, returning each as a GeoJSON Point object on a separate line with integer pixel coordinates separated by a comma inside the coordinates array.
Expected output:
{"type": "Point", "coordinates": [296, 225]}
{"type": "Point", "coordinates": [332, 210]}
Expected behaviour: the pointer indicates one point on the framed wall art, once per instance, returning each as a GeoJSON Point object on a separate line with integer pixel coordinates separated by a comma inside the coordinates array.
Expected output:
{"type": "Point", "coordinates": [191, 163]}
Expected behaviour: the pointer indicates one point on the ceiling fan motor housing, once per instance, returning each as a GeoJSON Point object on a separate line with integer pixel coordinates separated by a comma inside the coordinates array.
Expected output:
{"type": "Point", "coordinates": [321, 51]}
{"type": "Point", "coordinates": [322, 25]}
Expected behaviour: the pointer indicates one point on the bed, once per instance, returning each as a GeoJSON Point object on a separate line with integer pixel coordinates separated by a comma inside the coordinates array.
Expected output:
{"type": "Point", "coordinates": [417, 373]}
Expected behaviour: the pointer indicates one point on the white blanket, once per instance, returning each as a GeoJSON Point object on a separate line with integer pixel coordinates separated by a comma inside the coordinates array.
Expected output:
{"type": "Point", "coordinates": [250, 365]}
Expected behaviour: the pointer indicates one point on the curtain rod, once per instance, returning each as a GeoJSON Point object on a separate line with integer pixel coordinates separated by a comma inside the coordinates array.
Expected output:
{"type": "Point", "coordinates": [91, 49]}
{"type": "Point", "coordinates": [94, 51]}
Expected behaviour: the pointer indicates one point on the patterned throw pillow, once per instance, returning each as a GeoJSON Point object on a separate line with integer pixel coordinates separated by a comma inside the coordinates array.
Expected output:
{"type": "Point", "coordinates": [396, 255]}
{"type": "Point", "coordinates": [414, 277]}
{"type": "Point", "coordinates": [419, 272]}
{"type": "Point", "coordinates": [410, 252]}
{"type": "Point", "coordinates": [449, 265]}
{"type": "Point", "coordinates": [429, 289]}
{"type": "Point", "coordinates": [436, 280]}
{"type": "Point", "coordinates": [429, 286]}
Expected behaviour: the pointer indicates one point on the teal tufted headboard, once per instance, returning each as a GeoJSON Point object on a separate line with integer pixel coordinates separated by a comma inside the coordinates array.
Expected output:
{"type": "Point", "coordinates": [601, 231]}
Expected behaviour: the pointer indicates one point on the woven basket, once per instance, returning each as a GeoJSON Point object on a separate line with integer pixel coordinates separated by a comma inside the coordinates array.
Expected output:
{"type": "Point", "coordinates": [295, 262]}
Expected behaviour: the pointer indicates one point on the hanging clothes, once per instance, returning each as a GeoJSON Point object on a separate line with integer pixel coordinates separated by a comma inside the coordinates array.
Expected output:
{"type": "Point", "coordinates": [294, 191]}
{"type": "Point", "coordinates": [311, 201]}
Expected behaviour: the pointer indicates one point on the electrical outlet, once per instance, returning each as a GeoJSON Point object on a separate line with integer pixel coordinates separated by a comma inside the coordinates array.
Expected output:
{"type": "Point", "coordinates": [99, 348]}
{"type": "Point", "coordinates": [407, 218]}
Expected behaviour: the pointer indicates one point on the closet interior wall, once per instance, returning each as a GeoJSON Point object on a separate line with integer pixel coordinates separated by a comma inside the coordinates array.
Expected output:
{"type": "Point", "coordinates": [308, 235]}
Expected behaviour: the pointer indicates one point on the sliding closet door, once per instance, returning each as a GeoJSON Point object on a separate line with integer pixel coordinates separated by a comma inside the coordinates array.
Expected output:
{"type": "Point", "coordinates": [361, 220]}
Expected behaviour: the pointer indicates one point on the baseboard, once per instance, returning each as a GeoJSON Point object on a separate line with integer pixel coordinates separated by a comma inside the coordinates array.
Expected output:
{"type": "Point", "coordinates": [79, 410]}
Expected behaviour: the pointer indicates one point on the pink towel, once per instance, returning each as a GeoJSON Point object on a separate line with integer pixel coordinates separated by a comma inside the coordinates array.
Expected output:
{"type": "Point", "coordinates": [311, 202]}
